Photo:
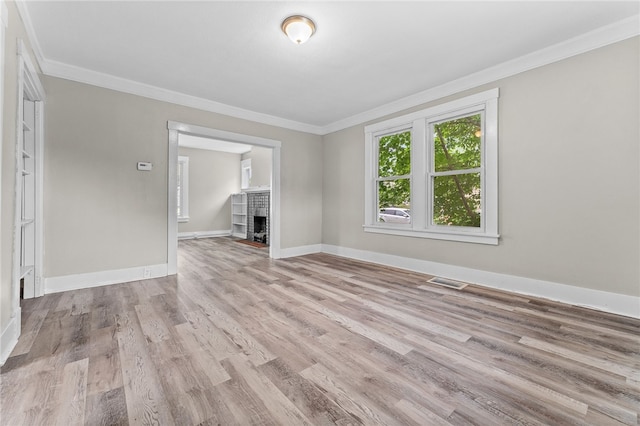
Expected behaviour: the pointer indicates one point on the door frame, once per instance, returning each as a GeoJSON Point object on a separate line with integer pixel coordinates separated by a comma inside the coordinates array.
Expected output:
{"type": "Point", "coordinates": [29, 87]}
{"type": "Point", "coordinates": [177, 128]}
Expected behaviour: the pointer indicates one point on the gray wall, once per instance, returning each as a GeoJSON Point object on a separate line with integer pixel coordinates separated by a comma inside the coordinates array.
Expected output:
{"type": "Point", "coordinates": [260, 166]}
{"type": "Point", "coordinates": [213, 177]}
{"type": "Point", "coordinates": [102, 214]}
{"type": "Point", "coordinates": [568, 179]}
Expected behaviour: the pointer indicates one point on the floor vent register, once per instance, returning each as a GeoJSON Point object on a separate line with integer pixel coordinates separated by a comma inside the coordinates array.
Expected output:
{"type": "Point", "coordinates": [457, 285]}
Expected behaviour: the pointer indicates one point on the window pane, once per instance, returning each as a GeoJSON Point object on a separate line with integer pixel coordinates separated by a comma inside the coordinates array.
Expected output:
{"type": "Point", "coordinates": [456, 200]}
{"type": "Point", "coordinates": [394, 155]}
{"type": "Point", "coordinates": [392, 195]}
{"type": "Point", "coordinates": [457, 143]}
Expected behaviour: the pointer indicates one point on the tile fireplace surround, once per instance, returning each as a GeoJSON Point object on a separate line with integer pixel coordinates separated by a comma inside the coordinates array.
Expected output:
{"type": "Point", "coordinates": [258, 205]}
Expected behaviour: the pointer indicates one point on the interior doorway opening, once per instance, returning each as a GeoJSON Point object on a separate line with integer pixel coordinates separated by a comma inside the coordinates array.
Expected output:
{"type": "Point", "coordinates": [220, 137]}
{"type": "Point", "coordinates": [29, 184]}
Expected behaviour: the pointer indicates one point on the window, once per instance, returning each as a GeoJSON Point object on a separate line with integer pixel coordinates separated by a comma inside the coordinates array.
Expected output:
{"type": "Point", "coordinates": [394, 172]}
{"type": "Point", "coordinates": [183, 189]}
{"type": "Point", "coordinates": [438, 169]}
{"type": "Point", "coordinates": [245, 173]}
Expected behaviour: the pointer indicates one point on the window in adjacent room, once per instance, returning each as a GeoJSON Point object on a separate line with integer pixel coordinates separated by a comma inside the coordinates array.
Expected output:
{"type": "Point", "coordinates": [183, 189]}
{"type": "Point", "coordinates": [438, 167]}
{"type": "Point", "coordinates": [245, 170]}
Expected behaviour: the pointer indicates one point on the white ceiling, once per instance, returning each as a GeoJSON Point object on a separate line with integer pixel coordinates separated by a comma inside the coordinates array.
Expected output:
{"type": "Point", "coordinates": [232, 57]}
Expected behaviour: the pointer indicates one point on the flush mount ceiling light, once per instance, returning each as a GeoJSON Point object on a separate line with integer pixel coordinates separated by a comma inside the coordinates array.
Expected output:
{"type": "Point", "coordinates": [298, 28]}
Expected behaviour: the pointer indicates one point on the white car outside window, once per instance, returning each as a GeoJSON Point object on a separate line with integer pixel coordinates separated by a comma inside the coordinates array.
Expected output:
{"type": "Point", "coordinates": [394, 215]}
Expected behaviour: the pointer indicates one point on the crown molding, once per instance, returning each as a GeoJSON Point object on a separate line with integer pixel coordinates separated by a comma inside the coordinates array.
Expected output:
{"type": "Point", "coordinates": [603, 36]}
{"type": "Point", "coordinates": [595, 39]}
{"type": "Point", "coordinates": [31, 33]}
{"type": "Point", "coordinates": [3, 14]}
{"type": "Point", "coordinates": [107, 81]}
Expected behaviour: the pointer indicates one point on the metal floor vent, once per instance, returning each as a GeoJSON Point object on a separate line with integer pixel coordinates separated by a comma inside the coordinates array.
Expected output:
{"type": "Point", "coordinates": [457, 285]}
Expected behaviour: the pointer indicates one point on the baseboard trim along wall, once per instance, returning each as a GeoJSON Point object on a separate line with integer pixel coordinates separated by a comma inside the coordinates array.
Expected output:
{"type": "Point", "coordinates": [96, 279]}
{"type": "Point", "coordinates": [595, 299]}
{"type": "Point", "coordinates": [300, 251]}
{"type": "Point", "coordinates": [203, 234]}
{"type": "Point", "coordinates": [9, 337]}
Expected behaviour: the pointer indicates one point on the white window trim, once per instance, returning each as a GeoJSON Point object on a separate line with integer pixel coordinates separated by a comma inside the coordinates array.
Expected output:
{"type": "Point", "coordinates": [245, 173]}
{"type": "Point", "coordinates": [184, 189]}
{"type": "Point", "coordinates": [421, 152]}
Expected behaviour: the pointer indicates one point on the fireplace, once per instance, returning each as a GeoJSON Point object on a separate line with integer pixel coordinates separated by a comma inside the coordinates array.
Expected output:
{"type": "Point", "coordinates": [260, 229]}
{"type": "Point", "coordinates": [258, 216]}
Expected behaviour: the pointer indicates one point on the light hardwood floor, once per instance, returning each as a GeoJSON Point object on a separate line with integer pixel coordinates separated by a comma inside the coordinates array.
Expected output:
{"type": "Point", "coordinates": [237, 338]}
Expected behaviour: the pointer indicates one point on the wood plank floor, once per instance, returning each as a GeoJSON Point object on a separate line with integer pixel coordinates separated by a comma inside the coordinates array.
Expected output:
{"type": "Point", "coordinates": [237, 338]}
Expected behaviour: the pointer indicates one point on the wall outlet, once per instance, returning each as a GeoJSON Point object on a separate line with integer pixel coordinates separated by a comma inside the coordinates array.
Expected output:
{"type": "Point", "coordinates": [146, 273]}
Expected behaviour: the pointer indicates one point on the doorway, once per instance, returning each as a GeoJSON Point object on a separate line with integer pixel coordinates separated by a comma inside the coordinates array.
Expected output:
{"type": "Point", "coordinates": [27, 249]}
{"type": "Point", "coordinates": [175, 130]}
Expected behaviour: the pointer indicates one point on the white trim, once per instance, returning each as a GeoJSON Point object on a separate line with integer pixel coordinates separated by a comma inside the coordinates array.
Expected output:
{"type": "Point", "coordinates": [172, 203]}
{"type": "Point", "coordinates": [39, 213]}
{"type": "Point", "coordinates": [4, 13]}
{"type": "Point", "coordinates": [434, 234]}
{"type": "Point", "coordinates": [609, 34]}
{"type": "Point", "coordinates": [184, 186]}
{"type": "Point", "coordinates": [245, 174]}
{"type": "Point", "coordinates": [300, 250]}
{"type": "Point", "coordinates": [274, 199]}
{"type": "Point", "coordinates": [434, 112]}
{"type": "Point", "coordinates": [192, 129]}
{"type": "Point", "coordinates": [422, 145]}
{"type": "Point", "coordinates": [203, 234]}
{"type": "Point", "coordinates": [31, 33]}
{"type": "Point", "coordinates": [177, 128]}
{"type": "Point", "coordinates": [615, 303]}
{"type": "Point", "coordinates": [603, 36]}
{"type": "Point", "coordinates": [83, 75]}
{"type": "Point", "coordinates": [9, 337]}
{"type": "Point", "coordinates": [265, 188]}
{"type": "Point", "coordinates": [30, 87]}
{"type": "Point", "coordinates": [96, 279]}
{"type": "Point", "coordinates": [3, 24]}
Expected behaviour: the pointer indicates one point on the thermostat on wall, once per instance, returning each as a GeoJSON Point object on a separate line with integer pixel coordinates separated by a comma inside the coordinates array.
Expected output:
{"type": "Point", "coordinates": [142, 165]}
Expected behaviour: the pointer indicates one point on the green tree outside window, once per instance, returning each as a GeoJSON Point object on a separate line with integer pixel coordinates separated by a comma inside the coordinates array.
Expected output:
{"type": "Point", "coordinates": [394, 170]}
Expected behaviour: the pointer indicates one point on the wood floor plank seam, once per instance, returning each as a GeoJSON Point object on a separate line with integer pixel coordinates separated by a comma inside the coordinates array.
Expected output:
{"type": "Point", "coordinates": [236, 338]}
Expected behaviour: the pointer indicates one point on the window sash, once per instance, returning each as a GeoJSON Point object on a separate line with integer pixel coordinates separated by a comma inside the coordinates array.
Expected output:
{"type": "Point", "coordinates": [423, 171]}
{"type": "Point", "coordinates": [432, 173]}
{"type": "Point", "coordinates": [390, 132]}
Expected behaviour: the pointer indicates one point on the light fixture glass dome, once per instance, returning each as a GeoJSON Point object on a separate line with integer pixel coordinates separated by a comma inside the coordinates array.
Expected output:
{"type": "Point", "coordinates": [298, 28]}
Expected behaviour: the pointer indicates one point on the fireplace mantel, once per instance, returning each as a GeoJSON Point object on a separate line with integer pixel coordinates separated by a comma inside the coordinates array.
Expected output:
{"type": "Point", "coordinates": [258, 189]}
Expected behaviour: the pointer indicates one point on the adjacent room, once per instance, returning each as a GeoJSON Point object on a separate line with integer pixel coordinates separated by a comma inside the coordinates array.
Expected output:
{"type": "Point", "coordinates": [316, 213]}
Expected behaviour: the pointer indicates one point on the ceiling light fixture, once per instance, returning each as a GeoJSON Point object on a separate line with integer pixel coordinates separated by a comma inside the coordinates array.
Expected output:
{"type": "Point", "coordinates": [298, 28]}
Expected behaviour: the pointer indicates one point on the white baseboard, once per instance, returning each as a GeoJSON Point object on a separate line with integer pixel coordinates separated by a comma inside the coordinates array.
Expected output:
{"type": "Point", "coordinates": [96, 279]}
{"type": "Point", "coordinates": [9, 337]}
{"type": "Point", "coordinates": [203, 234]}
{"type": "Point", "coordinates": [595, 299]}
{"type": "Point", "coordinates": [300, 251]}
